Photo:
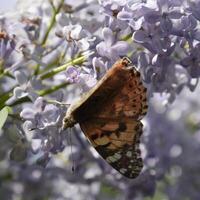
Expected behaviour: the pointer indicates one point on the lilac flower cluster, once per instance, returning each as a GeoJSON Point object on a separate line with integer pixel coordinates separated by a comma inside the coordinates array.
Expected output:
{"type": "Point", "coordinates": [52, 51]}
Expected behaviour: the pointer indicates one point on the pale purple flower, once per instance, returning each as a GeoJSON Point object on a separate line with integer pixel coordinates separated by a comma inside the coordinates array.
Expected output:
{"type": "Point", "coordinates": [194, 8]}
{"type": "Point", "coordinates": [87, 81]}
{"type": "Point", "coordinates": [100, 67]}
{"type": "Point", "coordinates": [75, 35]}
{"type": "Point", "coordinates": [72, 74]}
{"type": "Point", "coordinates": [161, 37]}
{"type": "Point", "coordinates": [31, 25]}
{"type": "Point", "coordinates": [26, 87]}
{"type": "Point", "coordinates": [110, 48]}
{"type": "Point", "coordinates": [192, 62]}
{"type": "Point", "coordinates": [111, 9]}
{"type": "Point", "coordinates": [42, 114]}
{"type": "Point", "coordinates": [7, 45]}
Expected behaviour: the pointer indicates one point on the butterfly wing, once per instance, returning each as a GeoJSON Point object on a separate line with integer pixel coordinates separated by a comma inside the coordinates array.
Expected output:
{"type": "Point", "coordinates": [117, 141]}
{"type": "Point", "coordinates": [115, 130]}
{"type": "Point", "coordinates": [109, 115]}
{"type": "Point", "coordinates": [130, 101]}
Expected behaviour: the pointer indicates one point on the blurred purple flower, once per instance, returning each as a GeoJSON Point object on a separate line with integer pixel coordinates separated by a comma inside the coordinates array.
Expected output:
{"type": "Point", "coordinates": [72, 74]}
{"type": "Point", "coordinates": [194, 7]}
{"type": "Point", "coordinates": [111, 9]}
{"type": "Point", "coordinates": [7, 45]}
{"type": "Point", "coordinates": [166, 13]}
{"type": "Point", "coordinates": [110, 48]}
{"type": "Point", "coordinates": [99, 66]}
{"type": "Point", "coordinates": [164, 47]}
{"type": "Point", "coordinates": [75, 35]}
{"type": "Point", "coordinates": [192, 62]}
{"type": "Point", "coordinates": [31, 26]}
{"type": "Point", "coordinates": [42, 114]}
{"type": "Point", "coordinates": [26, 87]}
{"type": "Point", "coordinates": [84, 77]}
{"type": "Point", "coordinates": [42, 127]}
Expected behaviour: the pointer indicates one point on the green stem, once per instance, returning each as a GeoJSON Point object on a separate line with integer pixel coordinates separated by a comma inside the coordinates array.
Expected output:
{"type": "Point", "coordinates": [61, 68]}
{"type": "Point", "coordinates": [4, 97]}
{"type": "Point", "coordinates": [52, 89]}
{"type": "Point", "coordinates": [52, 22]}
{"type": "Point", "coordinates": [51, 25]}
{"type": "Point", "coordinates": [127, 37]}
{"type": "Point", "coordinates": [9, 94]}
{"type": "Point", "coordinates": [50, 65]}
{"type": "Point", "coordinates": [6, 73]}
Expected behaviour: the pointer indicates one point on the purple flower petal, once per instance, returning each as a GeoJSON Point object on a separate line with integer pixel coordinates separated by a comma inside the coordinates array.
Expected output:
{"type": "Point", "coordinates": [87, 81]}
{"type": "Point", "coordinates": [2, 48]}
{"type": "Point", "coordinates": [197, 35]}
{"type": "Point", "coordinates": [27, 113]}
{"type": "Point", "coordinates": [20, 77]}
{"type": "Point", "coordinates": [102, 49]}
{"type": "Point", "coordinates": [19, 93]}
{"type": "Point", "coordinates": [108, 36]}
{"type": "Point", "coordinates": [140, 36]}
{"type": "Point", "coordinates": [124, 15]}
{"type": "Point", "coordinates": [166, 25]}
{"type": "Point", "coordinates": [136, 24]}
{"type": "Point", "coordinates": [72, 74]}
{"type": "Point", "coordinates": [36, 145]}
{"type": "Point", "coordinates": [175, 14]}
{"type": "Point", "coordinates": [99, 66]}
{"type": "Point", "coordinates": [152, 17]}
{"type": "Point", "coordinates": [121, 47]}
{"type": "Point", "coordinates": [39, 104]}
{"type": "Point", "coordinates": [51, 114]}
{"type": "Point", "coordinates": [143, 60]}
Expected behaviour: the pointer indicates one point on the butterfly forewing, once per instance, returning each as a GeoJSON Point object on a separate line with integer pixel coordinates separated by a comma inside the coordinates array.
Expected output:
{"type": "Point", "coordinates": [130, 100]}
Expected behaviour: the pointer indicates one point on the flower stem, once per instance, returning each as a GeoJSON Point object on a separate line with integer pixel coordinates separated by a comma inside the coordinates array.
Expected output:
{"type": "Point", "coordinates": [52, 22]}
{"type": "Point", "coordinates": [51, 25]}
{"type": "Point", "coordinates": [61, 68]}
{"type": "Point", "coordinates": [6, 73]}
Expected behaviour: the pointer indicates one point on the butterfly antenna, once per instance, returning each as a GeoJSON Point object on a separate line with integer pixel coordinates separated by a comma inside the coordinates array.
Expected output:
{"type": "Point", "coordinates": [70, 143]}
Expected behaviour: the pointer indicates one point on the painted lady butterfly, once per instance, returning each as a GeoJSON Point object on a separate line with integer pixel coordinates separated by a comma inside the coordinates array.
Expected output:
{"type": "Point", "coordinates": [109, 115]}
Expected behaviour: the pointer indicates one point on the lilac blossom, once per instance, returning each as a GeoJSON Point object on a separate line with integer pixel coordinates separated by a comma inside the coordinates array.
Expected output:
{"type": "Point", "coordinates": [41, 115]}
{"type": "Point", "coordinates": [53, 51]}
{"type": "Point", "coordinates": [109, 48]}
{"type": "Point", "coordinates": [7, 46]}
{"type": "Point", "coordinates": [72, 74]}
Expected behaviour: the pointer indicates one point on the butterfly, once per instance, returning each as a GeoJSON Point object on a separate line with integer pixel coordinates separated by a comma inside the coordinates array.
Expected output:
{"type": "Point", "coordinates": [110, 116]}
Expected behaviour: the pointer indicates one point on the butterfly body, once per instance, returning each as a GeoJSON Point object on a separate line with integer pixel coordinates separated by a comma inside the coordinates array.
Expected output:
{"type": "Point", "coordinates": [109, 114]}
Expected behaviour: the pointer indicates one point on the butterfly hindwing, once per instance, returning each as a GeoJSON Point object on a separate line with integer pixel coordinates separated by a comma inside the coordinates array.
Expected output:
{"type": "Point", "coordinates": [117, 142]}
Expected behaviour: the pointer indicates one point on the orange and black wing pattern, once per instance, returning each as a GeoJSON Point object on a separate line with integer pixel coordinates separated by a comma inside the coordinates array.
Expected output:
{"type": "Point", "coordinates": [112, 124]}
{"type": "Point", "coordinates": [117, 141]}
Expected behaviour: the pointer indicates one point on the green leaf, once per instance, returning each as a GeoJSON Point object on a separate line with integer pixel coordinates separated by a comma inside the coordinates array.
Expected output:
{"type": "Point", "coordinates": [3, 115]}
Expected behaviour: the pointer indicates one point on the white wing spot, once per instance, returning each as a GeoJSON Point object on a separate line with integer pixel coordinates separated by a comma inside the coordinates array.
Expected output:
{"type": "Point", "coordinates": [123, 170]}
{"type": "Point", "coordinates": [111, 159]}
{"type": "Point", "coordinates": [117, 156]}
{"type": "Point", "coordinates": [129, 154]}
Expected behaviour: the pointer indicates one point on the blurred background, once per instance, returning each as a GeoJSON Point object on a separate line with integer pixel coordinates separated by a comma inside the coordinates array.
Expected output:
{"type": "Point", "coordinates": [170, 143]}
{"type": "Point", "coordinates": [7, 5]}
